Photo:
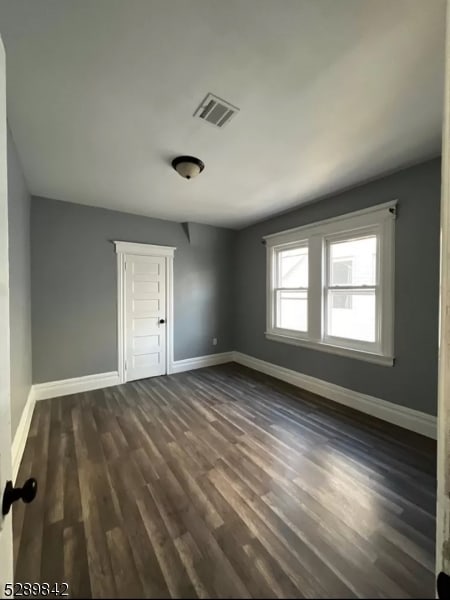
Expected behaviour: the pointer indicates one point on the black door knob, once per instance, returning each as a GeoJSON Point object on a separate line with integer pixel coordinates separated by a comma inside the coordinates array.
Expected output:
{"type": "Point", "coordinates": [162, 320]}
{"type": "Point", "coordinates": [27, 492]}
{"type": "Point", "coordinates": [443, 586]}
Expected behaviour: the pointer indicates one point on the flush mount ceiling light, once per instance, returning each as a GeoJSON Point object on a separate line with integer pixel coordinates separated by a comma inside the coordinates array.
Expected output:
{"type": "Point", "coordinates": [188, 166]}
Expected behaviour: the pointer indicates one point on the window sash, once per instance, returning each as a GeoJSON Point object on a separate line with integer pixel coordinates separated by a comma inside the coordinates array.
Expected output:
{"type": "Point", "coordinates": [357, 288]}
{"type": "Point", "coordinates": [277, 288]}
{"type": "Point", "coordinates": [350, 342]}
{"type": "Point", "coordinates": [277, 261]}
{"type": "Point", "coordinates": [277, 310]}
{"type": "Point", "coordinates": [348, 236]}
{"type": "Point", "coordinates": [291, 289]}
{"type": "Point", "coordinates": [327, 336]}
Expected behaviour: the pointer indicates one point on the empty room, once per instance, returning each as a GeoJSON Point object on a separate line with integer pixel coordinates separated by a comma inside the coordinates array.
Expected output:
{"type": "Point", "coordinates": [224, 299]}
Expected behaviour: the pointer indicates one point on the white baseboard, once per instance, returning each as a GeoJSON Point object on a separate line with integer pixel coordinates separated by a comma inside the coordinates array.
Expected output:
{"type": "Point", "coordinates": [408, 418]}
{"type": "Point", "coordinates": [21, 435]}
{"type": "Point", "coordinates": [188, 364]}
{"type": "Point", "coordinates": [402, 416]}
{"type": "Point", "coordinates": [54, 389]}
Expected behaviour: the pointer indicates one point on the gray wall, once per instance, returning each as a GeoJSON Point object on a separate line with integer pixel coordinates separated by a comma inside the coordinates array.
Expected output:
{"type": "Point", "coordinates": [19, 283]}
{"type": "Point", "coordinates": [220, 288]}
{"type": "Point", "coordinates": [412, 381]}
{"type": "Point", "coordinates": [74, 290]}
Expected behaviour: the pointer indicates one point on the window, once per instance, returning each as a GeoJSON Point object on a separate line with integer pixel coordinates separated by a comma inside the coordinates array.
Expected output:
{"type": "Point", "coordinates": [350, 294]}
{"type": "Point", "coordinates": [330, 285]}
{"type": "Point", "coordinates": [291, 291]}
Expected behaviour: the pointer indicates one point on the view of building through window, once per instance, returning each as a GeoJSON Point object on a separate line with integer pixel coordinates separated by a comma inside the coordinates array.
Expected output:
{"type": "Point", "coordinates": [342, 271]}
{"type": "Point", "coordinates": [352, 288]}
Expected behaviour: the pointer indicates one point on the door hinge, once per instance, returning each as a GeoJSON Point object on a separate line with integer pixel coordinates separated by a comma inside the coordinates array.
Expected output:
{"type": "Point", "coordinates": [125, 266]}
{"type": "Point", "coordinates": [126, 364]}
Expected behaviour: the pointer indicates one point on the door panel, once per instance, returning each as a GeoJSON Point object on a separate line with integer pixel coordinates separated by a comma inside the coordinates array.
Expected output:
{"type": "Point", "coordinates": [145, 308]}
{"type": "Point", "coordinates": [6, 554]}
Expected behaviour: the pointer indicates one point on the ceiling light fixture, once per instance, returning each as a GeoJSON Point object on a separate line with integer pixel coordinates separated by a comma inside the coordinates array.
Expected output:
{"type": "Point", "coordinates": [188, 166]}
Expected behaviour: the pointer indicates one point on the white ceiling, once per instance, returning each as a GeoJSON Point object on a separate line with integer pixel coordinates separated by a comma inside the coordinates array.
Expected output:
{"type": "Point", "coordinates": [101, 95]}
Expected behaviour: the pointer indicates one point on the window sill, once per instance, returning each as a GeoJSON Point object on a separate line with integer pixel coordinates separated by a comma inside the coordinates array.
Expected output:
{"type": "Point", "coordinates": [379, 359]}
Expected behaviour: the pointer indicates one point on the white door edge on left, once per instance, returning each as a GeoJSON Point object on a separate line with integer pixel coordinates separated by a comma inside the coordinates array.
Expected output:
{"type": "Point", "coordinates": [144, 310]}
{"type": "Point", "coordinates": [6, 547]}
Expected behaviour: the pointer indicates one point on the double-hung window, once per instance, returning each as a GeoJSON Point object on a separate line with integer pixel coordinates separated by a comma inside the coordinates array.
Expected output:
{"type": "Point", "coordinates": [290, 293]}
{"type": "Point", "coordinates": [330, 285]}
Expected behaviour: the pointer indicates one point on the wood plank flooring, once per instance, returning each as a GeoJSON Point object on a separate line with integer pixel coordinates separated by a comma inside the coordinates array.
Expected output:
{"type": "Point", "coordinates": [223, 482]}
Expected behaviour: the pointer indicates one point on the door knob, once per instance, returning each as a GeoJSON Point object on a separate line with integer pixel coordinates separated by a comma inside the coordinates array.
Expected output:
{"type": "Point", "coordinates": [443, 586]}
{"type": "Point", "coordinates": [162, 320]}
{"type": "Point", "coordinates": [27, 492]}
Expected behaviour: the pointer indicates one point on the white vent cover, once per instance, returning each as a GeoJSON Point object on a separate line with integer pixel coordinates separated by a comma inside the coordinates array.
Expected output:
{"type": "Point", "coordinates": [216, 111]}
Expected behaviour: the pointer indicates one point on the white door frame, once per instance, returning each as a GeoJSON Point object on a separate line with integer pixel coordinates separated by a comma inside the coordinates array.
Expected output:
{"type": "Point", "coordinates": [443, 459]}
{"type": "Point", "coordinates": [6, 540]}
{"type": "Point", "coordinates": [122, 249]}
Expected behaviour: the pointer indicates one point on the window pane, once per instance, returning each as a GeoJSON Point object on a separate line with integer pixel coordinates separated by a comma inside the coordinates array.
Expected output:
{"type": "Point", "coordinates": [353, 262]}
{"type": "Point", "coordinates": [293, 268]}
{"type": "Point", "coordinates": [342, 301]}
{"type": "Point", "coordinates": [352, 315]}
{"type": "Point", "coordinates": [292, 309]}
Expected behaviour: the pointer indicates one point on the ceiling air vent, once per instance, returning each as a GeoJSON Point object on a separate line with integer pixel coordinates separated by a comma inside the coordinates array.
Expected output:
{"type": "Point", "coordinates": [216, 111]}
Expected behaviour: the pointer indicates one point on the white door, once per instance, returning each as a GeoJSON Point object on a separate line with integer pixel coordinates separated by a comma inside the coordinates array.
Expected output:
{"type": "Point", "coordinates": [145, 316]}
{"type": "Point", "coordinates": [6, 560]}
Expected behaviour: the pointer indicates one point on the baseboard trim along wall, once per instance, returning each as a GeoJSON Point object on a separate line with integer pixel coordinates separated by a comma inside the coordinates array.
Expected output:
{"type": "Point", "coordinates": [402, 416]}
{"type": "Point", "coordinates": [407, 418]}
{"type": "Point", "coordinates": [54, 389]}
{"type": "Point", "coordinates": [64, 387]}
{"type": "Point", "coordinates": [188, 364]}
{"type": "Point", "coordinates": [21, 435]}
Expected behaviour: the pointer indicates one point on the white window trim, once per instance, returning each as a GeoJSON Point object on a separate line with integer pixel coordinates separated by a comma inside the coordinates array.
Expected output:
{"type": "Point", "coordinates": [144, 249]}
{"type": "Point", "coordinates": [122, 250]}
{"type": "Point", "coordinates": [380, 218]}
{"type": "Point", "coordinates": [275, 287]}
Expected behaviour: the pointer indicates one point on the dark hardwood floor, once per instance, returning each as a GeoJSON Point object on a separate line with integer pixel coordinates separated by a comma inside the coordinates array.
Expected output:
{"type": "Point", "coordinates": [223, 482]}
